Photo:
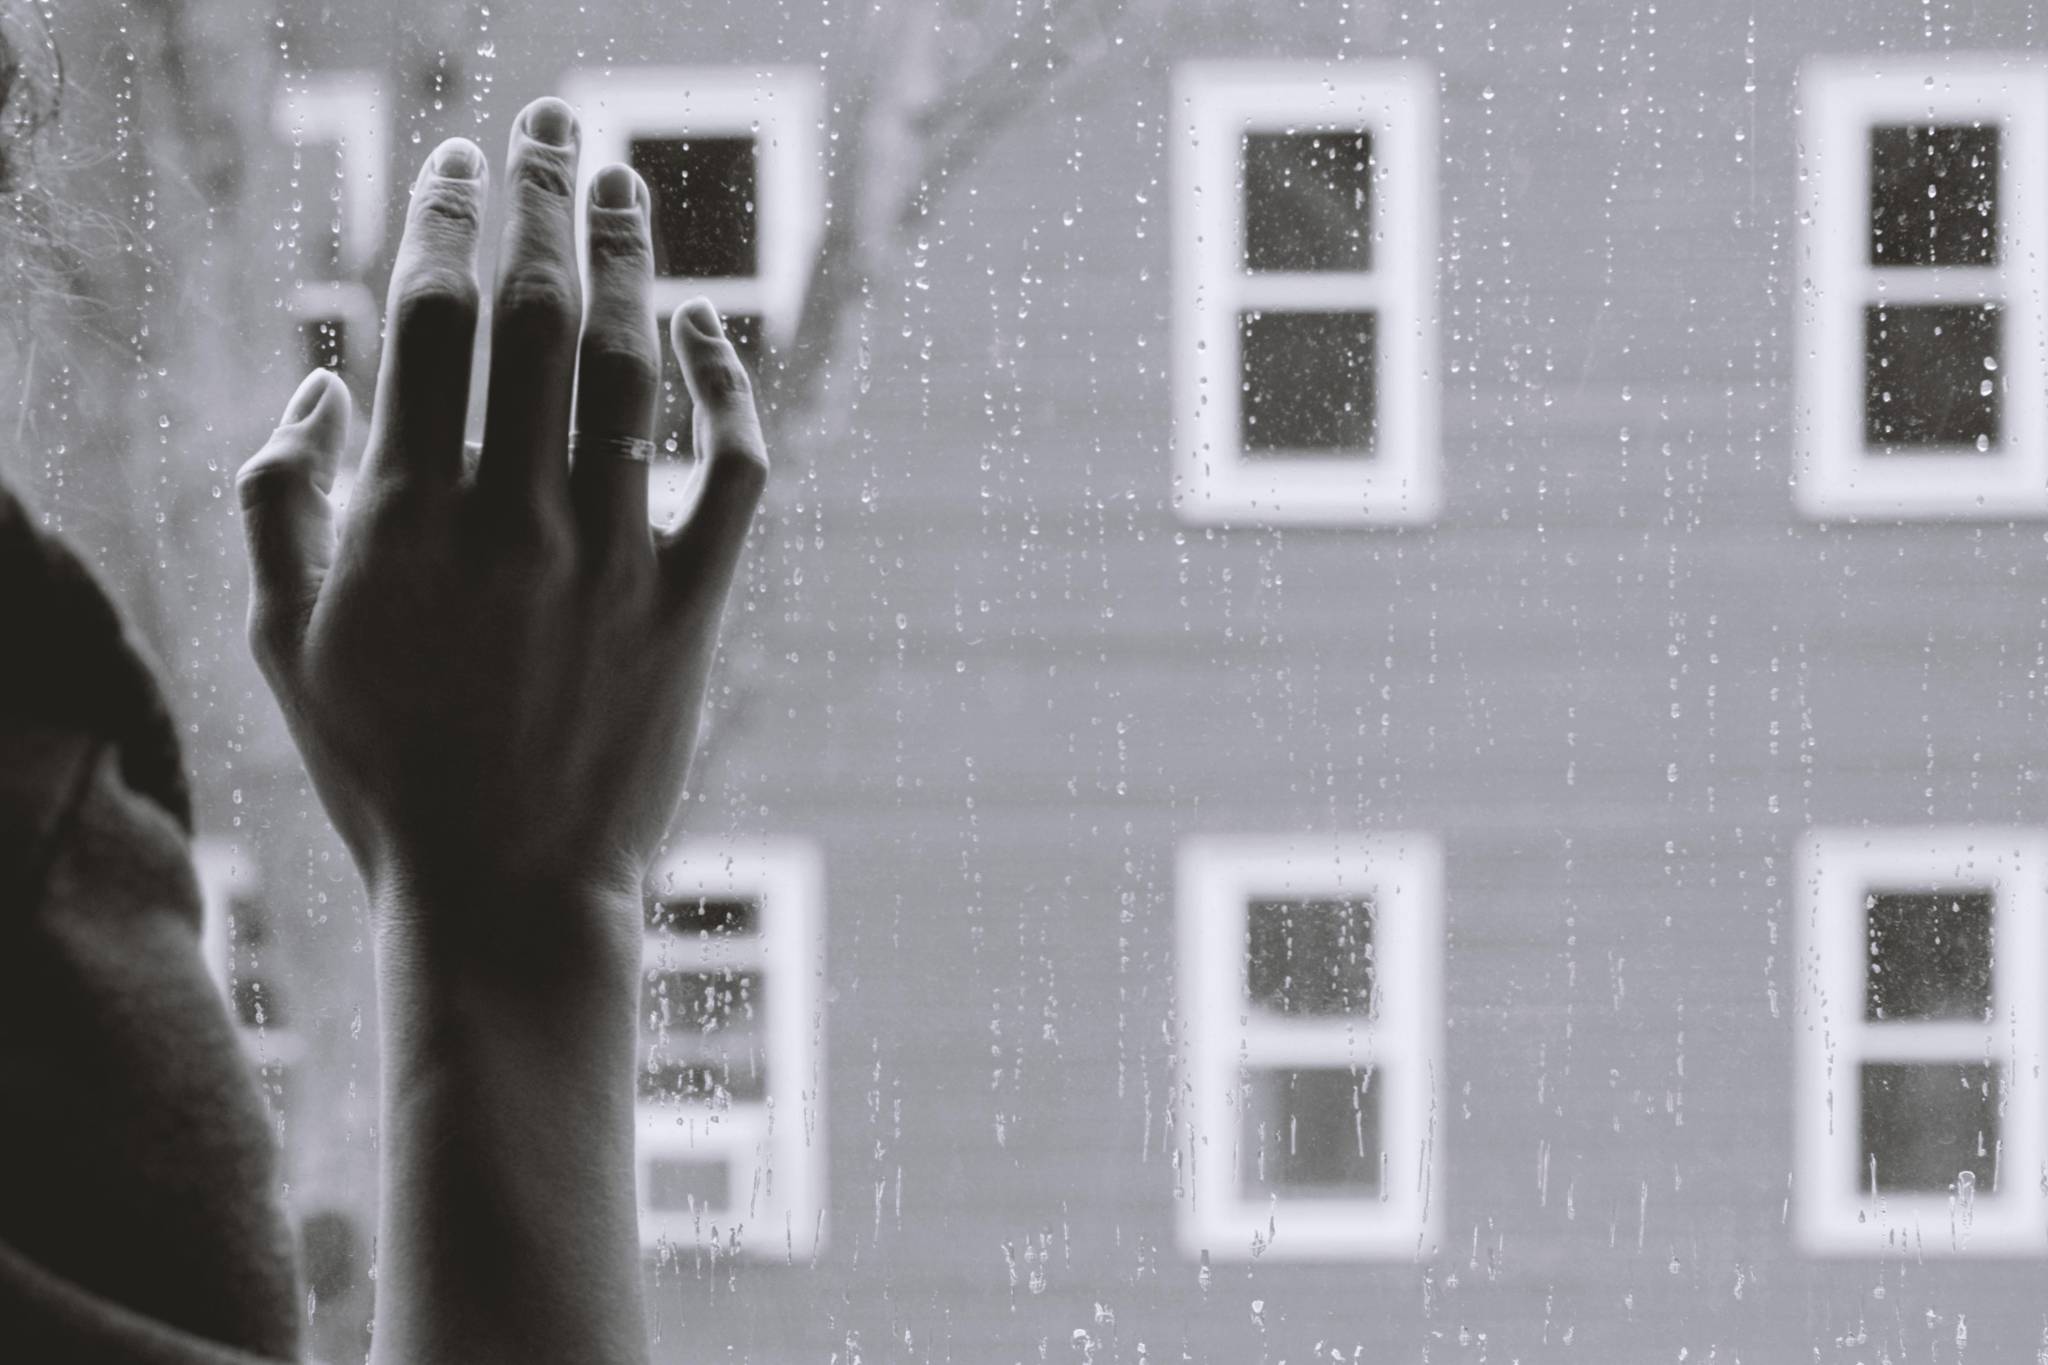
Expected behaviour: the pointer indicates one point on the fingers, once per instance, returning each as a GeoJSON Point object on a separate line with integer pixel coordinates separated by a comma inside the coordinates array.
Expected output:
{"type": "Point", "coordinates": [536, 314]}
{"type": "Point", "coordinates": [618, 370]}
{"type": "Point", "coordinates": [699, 556]}
{"type": "Point", "coordinates": [423, 383]}
{"type": "Point", "coordinates": [286, 515]}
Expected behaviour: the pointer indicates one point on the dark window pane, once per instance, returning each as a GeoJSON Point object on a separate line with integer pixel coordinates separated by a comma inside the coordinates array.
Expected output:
{"type": "Point", "coordinates": [1933, 196]}
{"type": "Point", "coordinates": [256, 1003]}
{"type": "Point", "coordinates": [277, 1083]}
{"type": "Point", "coordinates": [703, 1031]}
{"type": "Point", "coordinates": [703, 191]}
{"type": "Point", "coordinates": [741, 1078]}
{"type": "Point", "coordinates": [725, 916]}
{"type": "Point", "coordinates": [1930, 955]}
{"type": "Point", "coordinates": [248, 920]}
{"type": "Point", "coordinates": [255, 997]}
{"type": "Point", "coordinates": [1314, 1131]}
{"type": "Point", "coordinates": [323, 344]}
{"type": "Point", "coordinates": [1931, 377]}
{"type": "Point", "coordinates": [701, 1001]}
{"type": "Point", "coordinates": [1309, 383]}
{"type": "Point", "coordinates": [672, 421]}
{"type": "Point", "coordinates": [1308, 201]}
{"type": "Point", "coordinates": [331, 1258]}
{"type": "Point", "coordinates": [676, 1184]}
{"type": "Point", "coordinates": [1926, 1122]}
{"type": "Point", "coordinates": [1310, 957]}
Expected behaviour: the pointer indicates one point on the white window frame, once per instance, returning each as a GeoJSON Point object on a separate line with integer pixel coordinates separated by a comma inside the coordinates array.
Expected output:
{"type": "Point", "coordinates": [345, 109]}
{"type": "Point", "coordinates": [223, 871]}
{"type": "Point", "coordinates": [783, 109]}
{"type": "Point", "coordinates": [1842, 99]}
{"type": "Point", "coordinates": [1224, 1036]}
{"type": "Point", "coordinates": [774, 1149]}
{"type": "Point", "coordinates": [1835, 1214]}
{"type": "Point", "coordinates": [1215, 104]}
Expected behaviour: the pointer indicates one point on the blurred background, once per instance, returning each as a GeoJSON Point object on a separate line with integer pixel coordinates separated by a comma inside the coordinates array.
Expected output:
{"type": "Point", "coordinates": [1388, 706]}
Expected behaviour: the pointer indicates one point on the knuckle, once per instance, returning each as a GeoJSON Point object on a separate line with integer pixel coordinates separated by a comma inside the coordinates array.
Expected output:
{"type": "Point", "coordinates": [539, 299]}
{"type": "Point", "coordinates": [724, 378]}
{"type": "Point", "coordinates": [620, 575]}
{"type": "Point", "coordinates": [435, 301]}
{"type": "Point", "coordinates": [742, 467]}
{"type": "Point", "coordinates": [541, 537]}
{"type": "Point", "coordinates": [619, 365]}
{"type": "Point", "coordinates": [546, 173]}
{"type": "Point", "coordinates": [263, 475]}
{"type": "Point", "coordinates": [447, 210]}
{"type": "Point", "coordinates": [619, 242]}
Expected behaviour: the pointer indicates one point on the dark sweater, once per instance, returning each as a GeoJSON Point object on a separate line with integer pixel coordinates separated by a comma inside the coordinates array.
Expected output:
{"type": "Point", "coordinates": [139, 1213]}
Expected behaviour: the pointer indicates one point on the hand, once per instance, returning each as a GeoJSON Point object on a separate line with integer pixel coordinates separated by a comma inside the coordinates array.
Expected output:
{"type": "Point", "coordinates": [495, 671]}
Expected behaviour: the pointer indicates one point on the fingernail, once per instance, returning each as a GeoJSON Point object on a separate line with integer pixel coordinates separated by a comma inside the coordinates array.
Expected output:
{"type": "Point", "coordinates": [305, 398]}
{"type": "Point", "coordinates": [550, 121]}
{"type": "Point", "coordinates": [616, 187]}
{"type": "Point", "coordinates": [458, 159]}
{"type": "Point", "coordinates": [703, 318]}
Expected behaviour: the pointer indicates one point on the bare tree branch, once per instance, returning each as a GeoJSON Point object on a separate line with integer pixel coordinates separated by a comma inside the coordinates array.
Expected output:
{"type": "Point", "coordinates": [933, 85]}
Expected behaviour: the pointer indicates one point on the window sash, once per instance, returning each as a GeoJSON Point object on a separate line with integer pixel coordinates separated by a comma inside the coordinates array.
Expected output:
{"type": "Point", "coordinates": [784, 1129]}
{"type": "Point", "coordinates": [1836, 871]}
{"type": "Point", "coordinates": [344, 109]}
{"type": "Point", "coordinates": [781, 108]}
{"type": "Point", "coordinates": [1217, 103]}
{"type": "Point", "coordinates": [1836, 474]}
{"type": "Point", "coordinates": [1226, 1036]}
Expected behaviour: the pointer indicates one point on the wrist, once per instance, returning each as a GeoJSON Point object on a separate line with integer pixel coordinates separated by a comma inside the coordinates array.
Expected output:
{"type": "Point", "coordinates": [557, 937]}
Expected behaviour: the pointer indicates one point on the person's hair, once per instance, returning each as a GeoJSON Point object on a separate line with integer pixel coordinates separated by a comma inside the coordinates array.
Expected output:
{"type": "Point", "coordinates": [31, 90]}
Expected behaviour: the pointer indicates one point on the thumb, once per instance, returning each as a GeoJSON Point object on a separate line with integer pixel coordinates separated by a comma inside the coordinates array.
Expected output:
{"type": "Point", "coordinates": [285, 511]}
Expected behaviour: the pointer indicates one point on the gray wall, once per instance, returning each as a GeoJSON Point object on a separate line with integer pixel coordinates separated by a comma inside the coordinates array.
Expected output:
{"type": "Point", "coordinates": [1619, 676]}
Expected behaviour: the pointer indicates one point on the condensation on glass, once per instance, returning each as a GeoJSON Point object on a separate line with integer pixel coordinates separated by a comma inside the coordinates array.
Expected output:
{"type": "Point", "coordinates": [732, 158]}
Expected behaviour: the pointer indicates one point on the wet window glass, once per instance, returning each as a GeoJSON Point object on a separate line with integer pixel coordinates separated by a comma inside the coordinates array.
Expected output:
{"type": "Point", "coordinates": [1310, 956]}
{"type": "Point", "coordinates": [323, 343]}
{"type": "Point", "coordinates": [1931, 377]}
{"type": "Point", "coordinates": [703, 190]}
{"type": "Point", "coordinates": [1308, 201]}
{"type": "Point", "coordinates": [1930, 1127]}
{"type": "Point", "coordinates": [722, 916]}
{"type": "Point", "coordinates": [1389, 698]}
{"type": "Point", "coordinates": [258, 1001]}
{"type": "Point", "coordinates": [322, 174]}
{"type": "Point", "coordinates": [684, 1185]}
{"type": "Point", "coordinates": [1930, 955]}
{"type": "Point", "coordinates": [1933, 196]}
{"type": "Point", "coordinates": [1309, 383]}
{"type": "Point", "coordinates": [702, 1036]}
{"type": "Point", "coordinates": [1311, 1132]}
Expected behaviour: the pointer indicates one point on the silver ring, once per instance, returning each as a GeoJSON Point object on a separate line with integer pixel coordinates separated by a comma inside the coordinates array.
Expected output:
{"type": "Point", "coordinates": [635, 448]}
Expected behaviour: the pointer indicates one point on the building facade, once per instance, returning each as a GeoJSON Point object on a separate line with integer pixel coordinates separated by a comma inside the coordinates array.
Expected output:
{"type": "Point", "coordinates": [1389, 706]}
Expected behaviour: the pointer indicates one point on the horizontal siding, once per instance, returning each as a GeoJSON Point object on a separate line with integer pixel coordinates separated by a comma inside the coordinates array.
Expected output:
{"type": "Point", "coordinates": [999, 782]}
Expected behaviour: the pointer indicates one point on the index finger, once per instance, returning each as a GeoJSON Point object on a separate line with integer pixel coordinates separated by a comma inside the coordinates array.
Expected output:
{"type": "Point", "coordinates": [430, 322]}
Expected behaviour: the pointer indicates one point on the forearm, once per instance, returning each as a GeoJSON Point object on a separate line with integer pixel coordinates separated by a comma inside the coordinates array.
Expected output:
{"type": "Point", "coordinates": [493, 667]}
{"type": "Point", "coordinates": [508, 1226]}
